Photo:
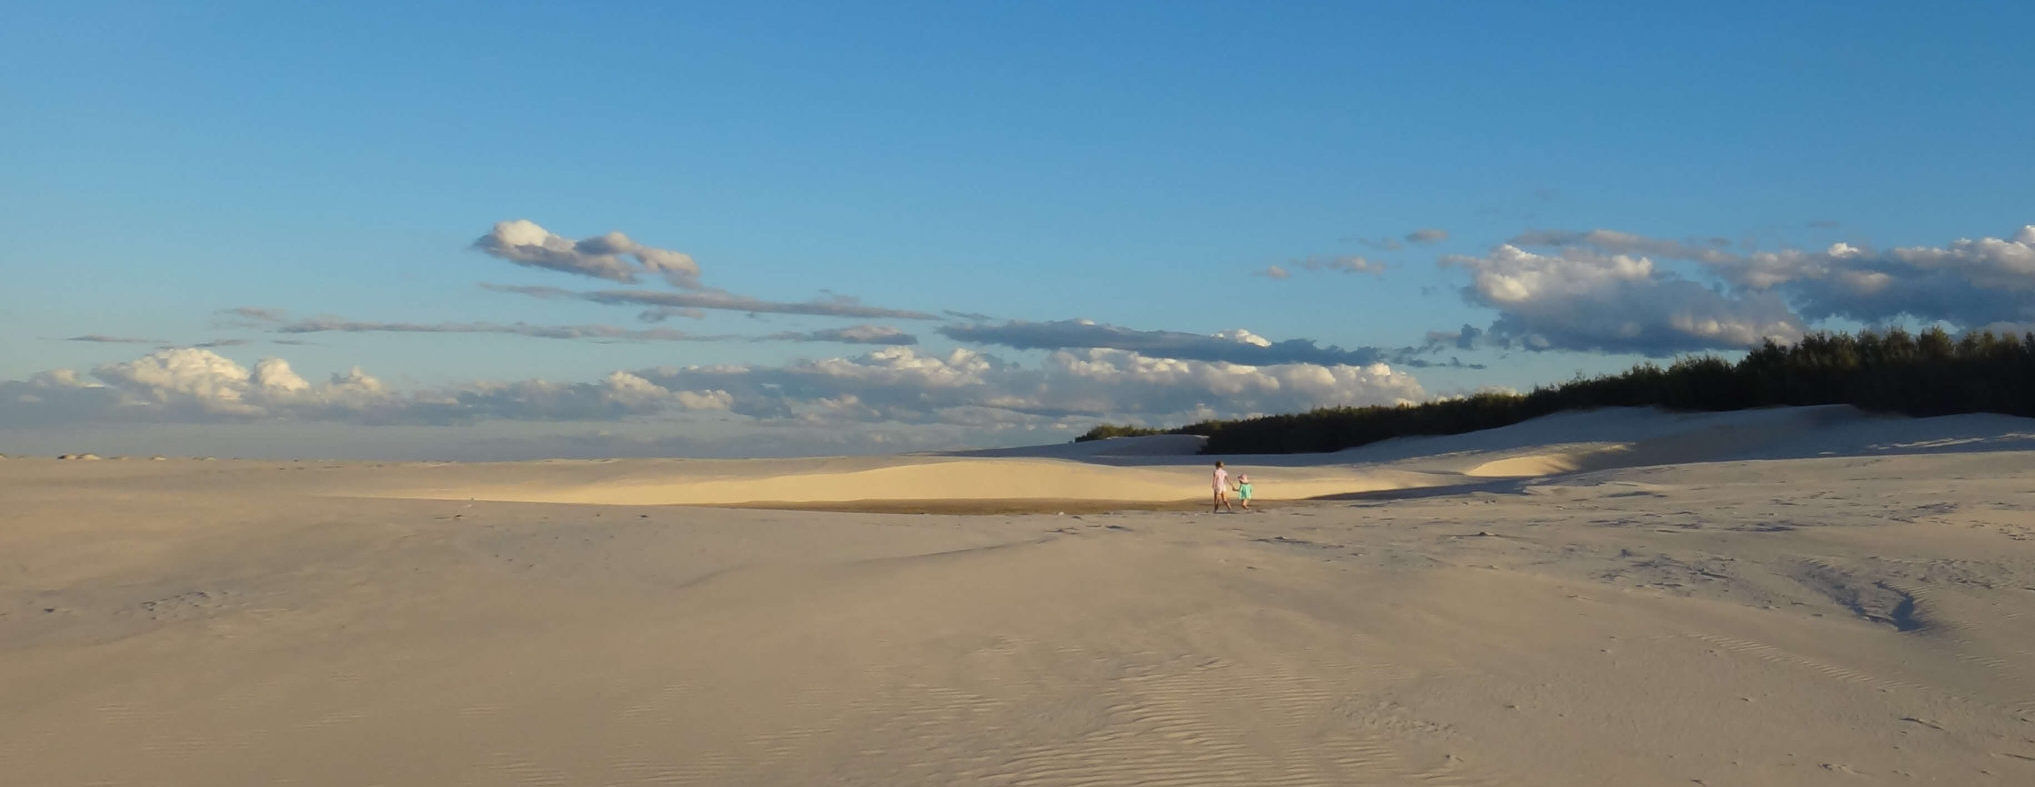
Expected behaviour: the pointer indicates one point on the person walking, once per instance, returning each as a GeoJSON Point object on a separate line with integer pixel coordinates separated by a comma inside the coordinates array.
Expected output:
{"type": "Point", "coordinates": [1221, 491]}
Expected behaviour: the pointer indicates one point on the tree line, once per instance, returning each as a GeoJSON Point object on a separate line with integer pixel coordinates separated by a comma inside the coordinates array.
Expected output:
{"type": "Point", "coordinates": [1925, 374]}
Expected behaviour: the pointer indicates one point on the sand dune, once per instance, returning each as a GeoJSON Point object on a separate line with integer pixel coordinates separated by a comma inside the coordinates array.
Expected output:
{"type": "Point", "coordinates": [1624, 597]}
{"type": "Point", "coordinates": [1167, 469]}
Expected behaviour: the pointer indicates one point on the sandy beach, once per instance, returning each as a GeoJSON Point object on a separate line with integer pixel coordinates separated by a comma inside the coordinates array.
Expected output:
{"type": "Point", "coordinates": [1623, 597]}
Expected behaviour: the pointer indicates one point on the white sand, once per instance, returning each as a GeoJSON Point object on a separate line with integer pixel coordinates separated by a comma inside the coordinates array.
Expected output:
{"type": "Point", "coordinates": [1623, 597]}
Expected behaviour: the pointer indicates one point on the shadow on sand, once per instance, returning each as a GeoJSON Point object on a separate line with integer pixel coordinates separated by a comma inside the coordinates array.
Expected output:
{"type": "Point", "coordinates": [1496, 486]}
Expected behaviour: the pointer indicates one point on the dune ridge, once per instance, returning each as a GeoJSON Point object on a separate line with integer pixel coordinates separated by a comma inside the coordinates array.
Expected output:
{"type": "Point", "coordinates": [1165, 469]}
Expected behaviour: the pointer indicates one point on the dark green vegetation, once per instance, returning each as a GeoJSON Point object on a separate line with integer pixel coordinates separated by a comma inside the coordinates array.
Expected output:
{"type": "Point", "coordinates": [1931, 373]}
{"type": "Point", "coordinates": [1106, 431]}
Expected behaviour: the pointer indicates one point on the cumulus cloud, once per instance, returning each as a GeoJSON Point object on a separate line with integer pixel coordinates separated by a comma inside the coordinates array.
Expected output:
{"type": "Point", "coordinates": [1274, 272]}
{"type": "Point", "coordinates": [838, 306]}
{"type": "Point", "coordinates": [194, 385]}
{"type": "Point", "coordinates": [903, 385]}
{"type": "Point", "coordinates": [279, 322]}
{"type": "Point", "coordinates": [188, 384]}
{"type": "Point", "coordinates": [1239, 347]}
{"type": "Point", "coordinates": [619, 395]}
{"type": "Point", "coordinates": [1969, 283]}
{"type": "Point", "coordinates": [199, 379]}
{"type": "Point", "coordinates": [1427, 236]}
{"type": "Point", "coordinates": [1178, 386]}
{"type": "Point", "coordinates": [1583, 299]}
{"type": "Point", "coordinates": [613, 256]}
{"type": "Point", "coordinates": [897, 386]}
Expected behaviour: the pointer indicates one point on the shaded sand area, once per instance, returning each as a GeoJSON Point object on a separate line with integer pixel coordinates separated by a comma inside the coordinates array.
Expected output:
{"type": "Point", "coordinates": [1622, 598]}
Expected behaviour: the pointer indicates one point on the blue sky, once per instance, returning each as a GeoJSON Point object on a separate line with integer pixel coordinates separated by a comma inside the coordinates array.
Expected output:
{"type": "Point", "coordinates": [1140, 166]}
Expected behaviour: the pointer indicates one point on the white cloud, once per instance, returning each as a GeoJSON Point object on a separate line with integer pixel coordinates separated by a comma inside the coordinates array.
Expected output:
{"type": "Point", "coordinates": [612, 256]}
{"type": "Point", "coordinates": [1242, 336]}
{"type": "Point", "coordinates": [60, 379]}
{"type": "Point", "coordinates": [183, 378]}
{"type": "Point", "coordinates": [195, 385]}
{"type": "Point", "coordinates": [1238, 346]}
{"type": "Point", "coordinates": [1173, 386]}
{"type": "Point", "coordinates": [902, 385]}
{"type": "Point", "coordinates": [617, 396]}
{"type": "Point", "coordinates": [1969, 283]}
{"type": "Point", "coordinates": [1581, 299]}
{"type": "Point", "coordinates": [274, 374]}
{"type": "Point", "coordinates": [897, 386]}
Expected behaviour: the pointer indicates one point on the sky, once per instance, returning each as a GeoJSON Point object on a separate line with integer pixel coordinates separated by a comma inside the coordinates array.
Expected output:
{"type": "Point", "coordinates": [516, 230]}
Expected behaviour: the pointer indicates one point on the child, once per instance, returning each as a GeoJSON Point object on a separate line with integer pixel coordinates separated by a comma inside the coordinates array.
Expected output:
{"type": "Point", "coordinates": [1221, 484]}
{"type": "Point", "coordinates": [1244, 490]}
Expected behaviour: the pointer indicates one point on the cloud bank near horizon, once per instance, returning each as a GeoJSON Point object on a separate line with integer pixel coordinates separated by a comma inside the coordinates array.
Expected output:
{"type": "Point", "coordinates": [190, 385]}
{"type": "Point", "coordinates": [894, 385]}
